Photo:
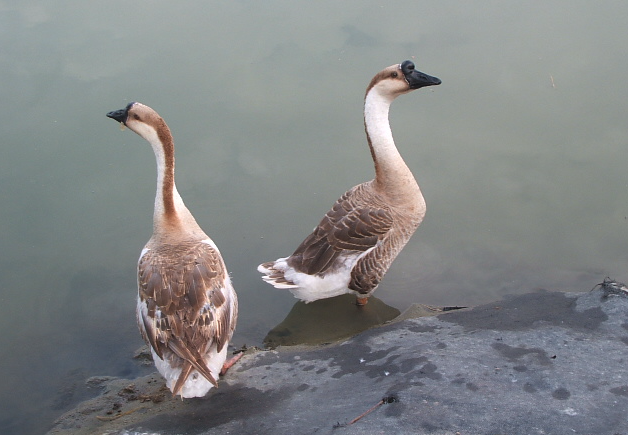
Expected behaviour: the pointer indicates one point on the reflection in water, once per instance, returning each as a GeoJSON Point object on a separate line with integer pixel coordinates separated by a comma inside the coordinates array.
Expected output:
{"type": "Point", "coordinates": [328, 320]}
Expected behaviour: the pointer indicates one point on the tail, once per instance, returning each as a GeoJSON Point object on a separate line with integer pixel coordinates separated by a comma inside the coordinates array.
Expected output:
{"type": "Point", "coordinates": [193, 360]}
{"type": "Point", "coordinates": [275, 276]}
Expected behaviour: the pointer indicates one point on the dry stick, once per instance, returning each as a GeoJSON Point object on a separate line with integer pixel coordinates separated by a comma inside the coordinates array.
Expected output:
{"type": "Point", "coordinates": [380, 403]}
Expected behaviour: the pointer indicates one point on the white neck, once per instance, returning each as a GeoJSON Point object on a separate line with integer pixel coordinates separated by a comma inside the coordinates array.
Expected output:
{"type": "Point", "coordinates": [170, 215]}
{"type": "Point", "coordinates": [391, 171]}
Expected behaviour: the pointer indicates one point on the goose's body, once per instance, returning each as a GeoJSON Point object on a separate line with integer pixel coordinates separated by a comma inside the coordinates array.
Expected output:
{"type": "Point", "coordinates": [186, 308]}
{"type": "Point", "coordinates": [355, 243]}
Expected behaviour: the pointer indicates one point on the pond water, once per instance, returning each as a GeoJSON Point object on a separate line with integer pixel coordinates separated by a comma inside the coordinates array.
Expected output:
{"type": "Point", "coordinates": [520, 153]}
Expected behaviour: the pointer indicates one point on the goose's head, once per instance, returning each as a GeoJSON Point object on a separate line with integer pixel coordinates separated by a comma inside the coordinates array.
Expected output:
{"type": "Point", "coordinates": [400, 79]}
{"type": "Point", "coordinates": [141, 119]}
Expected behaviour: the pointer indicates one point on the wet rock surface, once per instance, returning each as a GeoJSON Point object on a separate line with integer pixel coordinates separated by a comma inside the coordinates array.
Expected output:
{"type": "Point", "coordinates": [540, 363]}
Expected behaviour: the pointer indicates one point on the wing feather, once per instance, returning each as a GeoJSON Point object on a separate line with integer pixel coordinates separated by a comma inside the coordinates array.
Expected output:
{"type": "Point", "coordinates": [185, 288]}
{"type": "Point", "coordinates": [350, 226]}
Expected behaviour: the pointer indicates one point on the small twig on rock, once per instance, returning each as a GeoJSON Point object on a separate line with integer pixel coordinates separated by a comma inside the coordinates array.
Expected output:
{"type": "Point", "coordinates": [386, 399]}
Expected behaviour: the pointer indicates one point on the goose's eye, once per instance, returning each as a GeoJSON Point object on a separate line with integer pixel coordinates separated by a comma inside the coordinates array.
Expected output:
{"type": "Point", "coordinates": [136, 116]}
{"type": "Point", "coordinates": [393, 75]}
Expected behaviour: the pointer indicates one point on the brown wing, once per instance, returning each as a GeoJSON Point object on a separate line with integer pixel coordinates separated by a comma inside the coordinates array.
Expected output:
{"type": "Point", "coordinates": [371, 268]}
{"type": "Point", "coordinates": [187, 309]}
{"type": "Point", "coordinates": [348, 226]}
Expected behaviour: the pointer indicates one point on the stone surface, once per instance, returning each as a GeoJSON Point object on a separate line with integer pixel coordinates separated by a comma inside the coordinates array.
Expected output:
{"type": "Point", "coordinates": [541, 363]}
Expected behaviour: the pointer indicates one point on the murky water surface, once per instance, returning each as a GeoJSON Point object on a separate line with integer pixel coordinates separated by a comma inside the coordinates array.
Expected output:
{"type": "Point", "coordinates": [521, 154]}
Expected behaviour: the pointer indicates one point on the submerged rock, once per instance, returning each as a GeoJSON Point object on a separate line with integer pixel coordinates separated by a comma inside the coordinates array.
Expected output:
{"type": "Point", "coordinates": [328, 320]}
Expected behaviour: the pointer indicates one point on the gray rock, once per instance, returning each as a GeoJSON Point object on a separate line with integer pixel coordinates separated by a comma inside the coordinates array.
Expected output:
{"type": "Point", "coordinates": [541, 363]}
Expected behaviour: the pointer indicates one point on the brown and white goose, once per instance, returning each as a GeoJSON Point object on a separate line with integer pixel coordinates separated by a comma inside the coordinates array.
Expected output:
{"type": "Point", "coordinates": [356, 242]}
{"type": "Point", "coordinates": [186, 307]}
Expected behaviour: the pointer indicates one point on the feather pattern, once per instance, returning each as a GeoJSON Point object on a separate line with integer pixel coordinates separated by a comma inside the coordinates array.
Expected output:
{"type": "Point", "coordinates": [185, 299]}
{"type": "Point", "coordinates": [352, 226]}
{"type": "Point", "coordinates": [355, 243]}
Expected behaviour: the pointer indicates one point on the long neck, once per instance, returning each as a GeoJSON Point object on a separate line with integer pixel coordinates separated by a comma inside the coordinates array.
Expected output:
{"type": "Point", "coordinates": [171, 217]}
{"type": "Point", "coordinates": [391, 172]}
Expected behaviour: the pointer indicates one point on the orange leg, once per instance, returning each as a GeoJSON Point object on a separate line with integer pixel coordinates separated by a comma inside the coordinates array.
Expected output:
{"type": "Point", "coordinates": [361, 301]}
{"type": "Point", "coordinates": [231, 361]}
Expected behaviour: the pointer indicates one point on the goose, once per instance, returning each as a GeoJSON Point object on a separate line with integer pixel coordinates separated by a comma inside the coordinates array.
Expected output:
{"type": "Point", "coordinates": [186, 308]}
{"type": "Point", "coordinates": [353, 246]}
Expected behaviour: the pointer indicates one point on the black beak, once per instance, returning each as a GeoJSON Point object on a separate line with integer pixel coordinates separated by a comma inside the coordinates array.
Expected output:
{"type": "Point", "coordinates": [417, 79]}
{"type": "Point", "coordinates": [120, 115]}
